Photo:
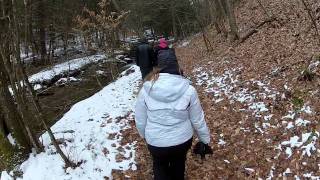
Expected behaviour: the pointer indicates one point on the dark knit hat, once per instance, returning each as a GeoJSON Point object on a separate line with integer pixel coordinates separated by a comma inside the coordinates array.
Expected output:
{"type": "Point", "coordinates": [169, 66]}
{"type": "Point", "coordinates": [167, 61]}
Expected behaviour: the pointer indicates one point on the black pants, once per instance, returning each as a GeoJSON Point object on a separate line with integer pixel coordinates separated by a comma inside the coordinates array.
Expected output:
{"type": "Point", "coordinates": [169, 162]}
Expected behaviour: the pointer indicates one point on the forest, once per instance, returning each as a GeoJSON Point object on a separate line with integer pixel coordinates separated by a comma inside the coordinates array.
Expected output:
{"type": "Point", "coordinates": [70, 79]}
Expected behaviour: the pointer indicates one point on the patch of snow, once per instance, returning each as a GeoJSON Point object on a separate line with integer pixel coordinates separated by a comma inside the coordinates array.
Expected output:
{"type": "Point", "coordinates": [286, 172]}
{"type": "Point", "coordinates": [100, 72]}
{"type": "Point", "coordinates": [268, 117]}
{"type": "Point", "coordinates": [270, 176]}
{"type": "Point", "coordinates": [289, 152]}
{"type": "Point", "coordinates": [258, 107]}
{"type": "Point", "coordinates": [306, 109]}
{"type": "Point", "coordinates": [11, 139]}
{"type": "Point", "coordinates": [120, 57]}
{"type": "Point", "coordinates": [118, 52]}
{"type": "Point", "coordinates": [301, 122]}
{"type": "Point", "coordinates": [310, 176]}
{"type": "Point", "coordinates": [307, 149]}
{"type": "Point", "coordinates": [63, 81]}
{"type": "Point", "coordinates": [221, 142]}
{"type": "Point", "coordinates": [218, 100]}
{"type": "Point", "coordinates": [5, 176]}
{"type": "Point", "coordinates": [290, 125]}
{"type": "Point", "coordinates": [226, 161]}
{"type": "Point", "coordinates": [249, 169]}
{"type": "Point", "coordinates": [185, 43]}
{"type": "Point", "coordinates": [291, 115]}
{"type": "Point", "coordinates": [37, 86]}
{"type": "Point", "coordinates": [295, 142]}
{"type": "Point", "coordinates": [296, 177]}
{"type": "Point", "coordinates": [228, 86]}
{"type": "Point", "coordinates": [313, 66]}
{"type": "Point", "coordinates": [91, 121]}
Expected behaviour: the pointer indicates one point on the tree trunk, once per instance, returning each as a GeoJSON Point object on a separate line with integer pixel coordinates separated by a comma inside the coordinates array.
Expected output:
{"type": "Point", "coordinates": [232, 20]}
{"type": "Point", "coordinates": [173, 17]}
{"type": "Point", "coordinates": [12, 120]}
{"type": "Point", "coordinates": [13, 71]}
{"type": "Point", "coordinates": [41, 30]}
{"type": "Point", "coordinates": [219, 15]}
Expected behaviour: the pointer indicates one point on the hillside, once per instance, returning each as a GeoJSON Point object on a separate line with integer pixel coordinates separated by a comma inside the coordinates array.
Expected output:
{"type": "Point", "coordinates": [262, 109]}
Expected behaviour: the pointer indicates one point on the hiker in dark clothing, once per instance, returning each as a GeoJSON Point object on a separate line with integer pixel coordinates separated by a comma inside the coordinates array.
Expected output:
{"type": "Point", "coordinates": [145, 58]}
{"type": "Point", "coordinates": [163, 45]}
{"type": "Point", "coordinates": [164, 53]}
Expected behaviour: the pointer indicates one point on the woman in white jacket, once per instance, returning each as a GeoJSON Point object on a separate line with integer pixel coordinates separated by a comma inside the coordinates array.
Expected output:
{"type": "Point", "coordinates": [167, 112]}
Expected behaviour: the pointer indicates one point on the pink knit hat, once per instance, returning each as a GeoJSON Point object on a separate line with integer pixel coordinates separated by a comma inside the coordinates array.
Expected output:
{"type": "Point", "coordinates": [163, 43]}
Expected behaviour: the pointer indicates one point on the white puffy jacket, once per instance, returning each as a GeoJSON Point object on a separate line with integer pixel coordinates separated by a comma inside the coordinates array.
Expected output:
{"type": "Point", "coordinates": [167, 112]}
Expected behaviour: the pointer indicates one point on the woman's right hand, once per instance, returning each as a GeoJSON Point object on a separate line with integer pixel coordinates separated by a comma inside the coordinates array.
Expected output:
{"type": "Point", "coordinates": [202, 149]}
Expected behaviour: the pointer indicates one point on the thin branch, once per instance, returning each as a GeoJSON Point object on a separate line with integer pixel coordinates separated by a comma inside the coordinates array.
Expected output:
{"type": "Point", "coordinates": [270, 15]}
{"type": "Point", "coordinates": [312, 19]}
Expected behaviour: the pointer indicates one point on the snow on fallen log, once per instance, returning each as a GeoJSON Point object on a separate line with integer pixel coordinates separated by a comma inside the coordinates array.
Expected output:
{"type": "Point", "coordinates": [66, 67]}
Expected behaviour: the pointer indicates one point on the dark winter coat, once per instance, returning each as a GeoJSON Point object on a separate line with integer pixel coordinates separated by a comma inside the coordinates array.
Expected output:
{"type": "Point", "coordinates": [145, 56]}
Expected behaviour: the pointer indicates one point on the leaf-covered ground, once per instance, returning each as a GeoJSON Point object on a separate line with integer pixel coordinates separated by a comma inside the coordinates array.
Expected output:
{"type": "Point", "coordinates": [261, 107]}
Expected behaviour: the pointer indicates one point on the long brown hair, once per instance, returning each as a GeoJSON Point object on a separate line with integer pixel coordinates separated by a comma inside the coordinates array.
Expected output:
{"type": "Point", "coordinates": [153, 75]}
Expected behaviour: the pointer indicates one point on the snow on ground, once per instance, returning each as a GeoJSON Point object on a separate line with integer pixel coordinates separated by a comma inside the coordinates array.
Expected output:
{"type": "Point", "coordinates": [64, 81]}
{"type": "Point", "coordinates": [184, 44]}
{"type": "Point", "coordinates": [91, 134]}
{"type": "Point", "coordinates": [64, 67]}
{"type": "Point", "coordinates": [253, 95]}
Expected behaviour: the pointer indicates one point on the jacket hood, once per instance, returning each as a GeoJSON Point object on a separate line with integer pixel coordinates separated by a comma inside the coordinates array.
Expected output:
{"type": "Point", "coordinates": [167, 88]}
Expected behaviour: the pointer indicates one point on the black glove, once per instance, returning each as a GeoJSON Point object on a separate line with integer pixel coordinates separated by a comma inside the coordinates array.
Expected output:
{"type": "Point", "coordinates": [202, 149]}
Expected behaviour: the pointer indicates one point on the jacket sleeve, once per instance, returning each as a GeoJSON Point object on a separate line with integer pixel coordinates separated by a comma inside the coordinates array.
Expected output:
{"type": "Point", "coordinates": [141, 114]}
{"type": "Point", "coordinates": [196, 115]}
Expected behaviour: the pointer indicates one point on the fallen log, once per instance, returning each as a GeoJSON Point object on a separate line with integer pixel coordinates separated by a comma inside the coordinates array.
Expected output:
{"type": "Point", "coordinates": [254, 30]}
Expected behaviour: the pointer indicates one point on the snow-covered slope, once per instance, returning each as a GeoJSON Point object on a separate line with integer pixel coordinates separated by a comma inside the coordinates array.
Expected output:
{"type": "Point", "coordinates": [91, 134]}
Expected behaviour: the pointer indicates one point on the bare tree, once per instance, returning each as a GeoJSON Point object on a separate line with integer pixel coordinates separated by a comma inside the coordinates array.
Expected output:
{"type": "Point", "coordinates": [219, 14]}
{"type": "Point", "coordinates": [10, 60]}
{"type": "Point", "coordinates": [107, 22]}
